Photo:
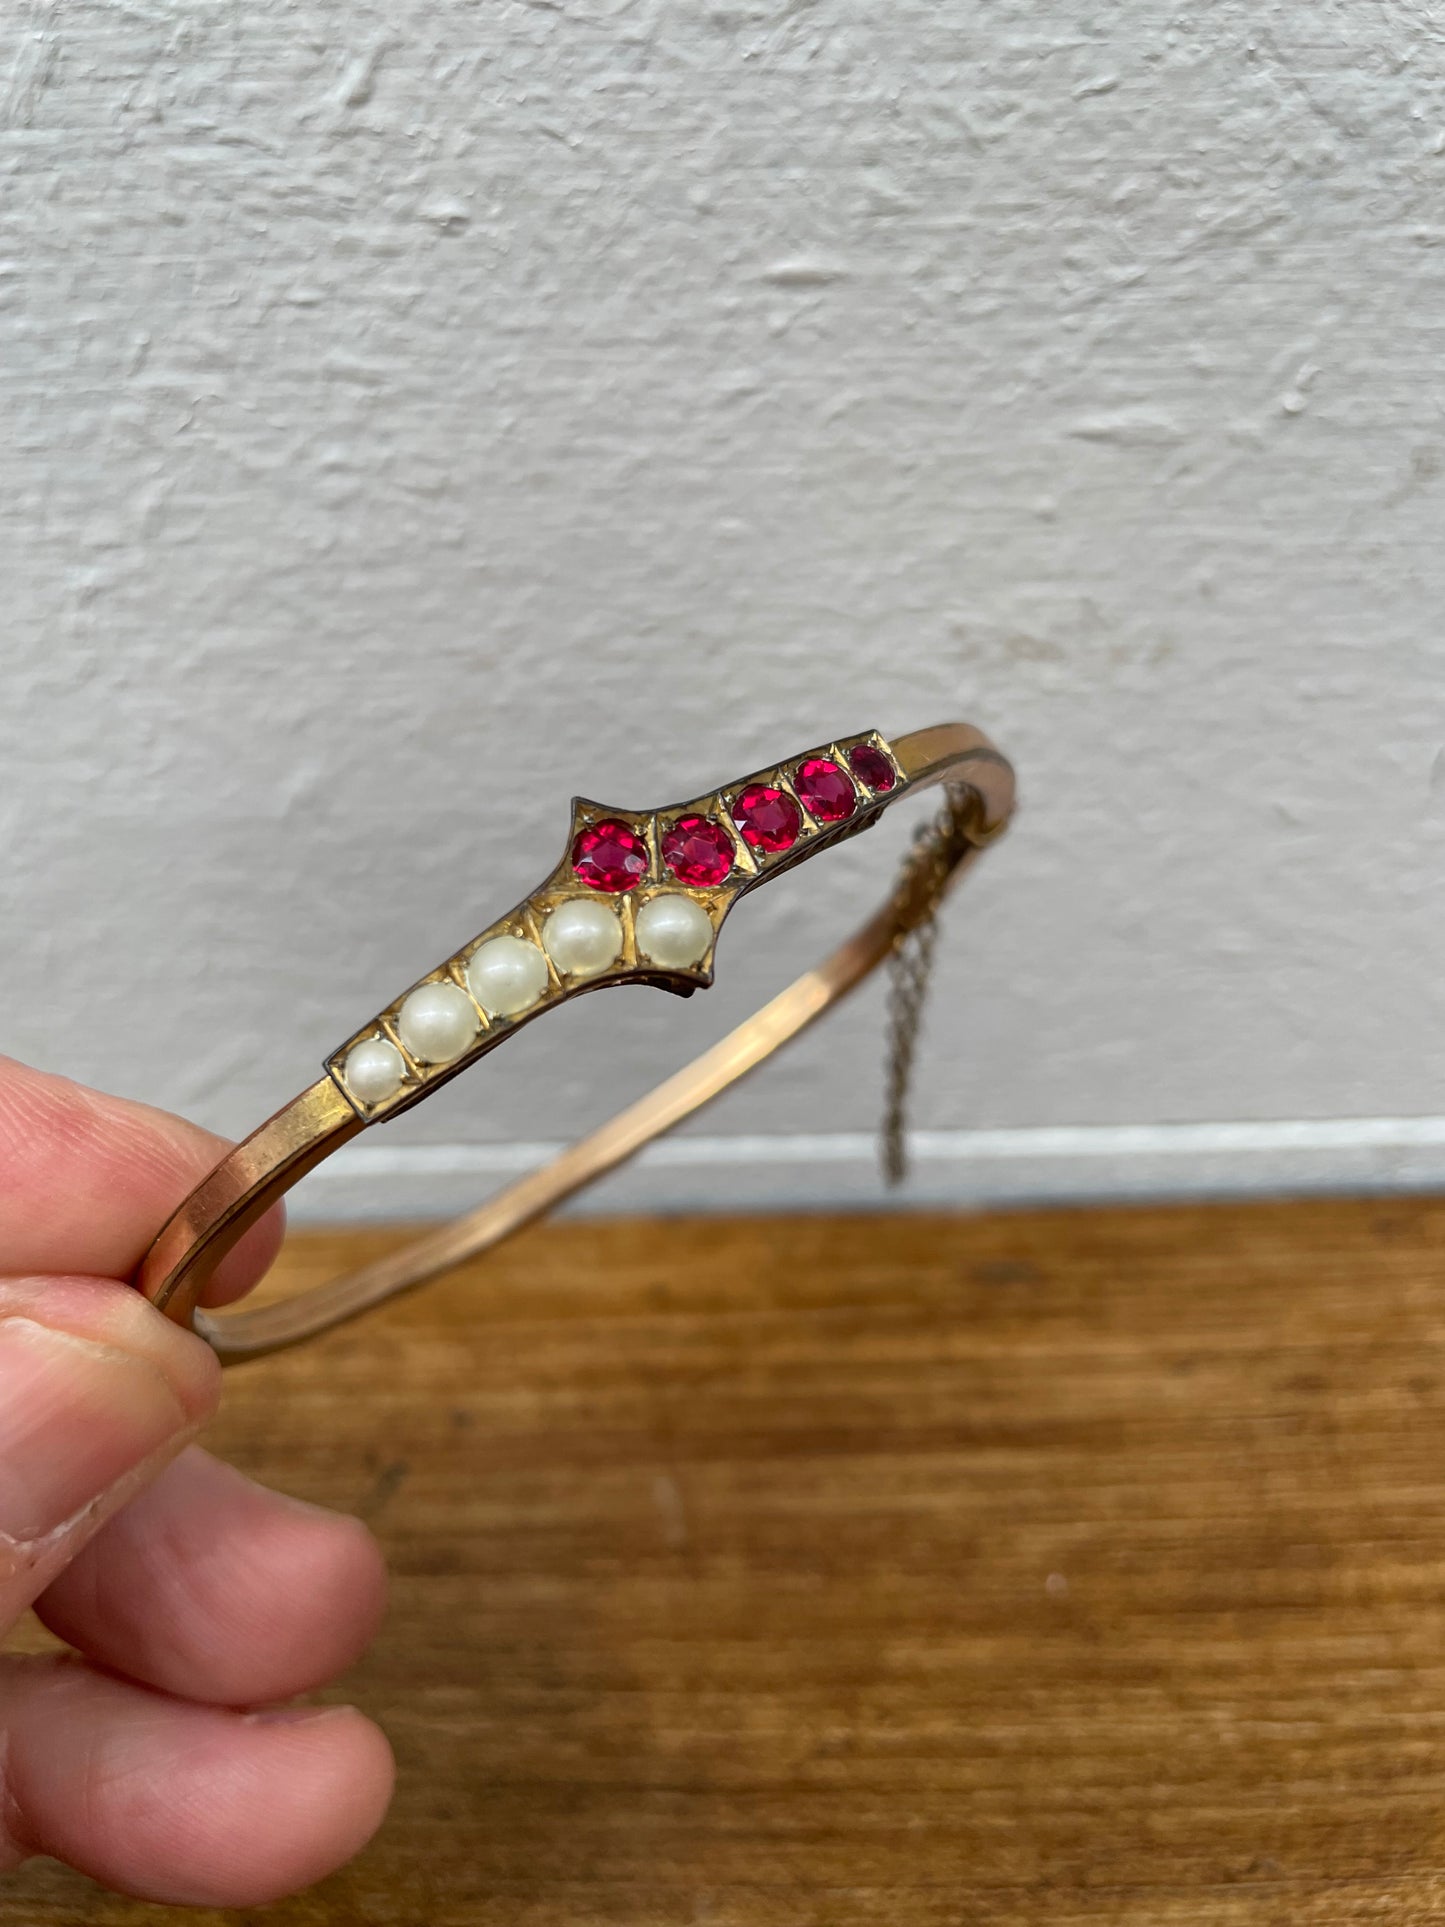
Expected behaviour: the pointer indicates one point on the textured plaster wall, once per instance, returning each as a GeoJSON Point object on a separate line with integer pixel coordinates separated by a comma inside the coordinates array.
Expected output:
{"type": "Point", "coordinates": [412, 413]}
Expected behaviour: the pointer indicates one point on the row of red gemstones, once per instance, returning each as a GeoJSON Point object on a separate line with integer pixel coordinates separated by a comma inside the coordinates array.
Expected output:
{"type": "Point", "coordinates": [612, 856]}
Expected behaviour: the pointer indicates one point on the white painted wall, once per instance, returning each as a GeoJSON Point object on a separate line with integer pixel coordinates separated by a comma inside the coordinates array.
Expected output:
{"type": "Point", "coordinates": [413, 412]}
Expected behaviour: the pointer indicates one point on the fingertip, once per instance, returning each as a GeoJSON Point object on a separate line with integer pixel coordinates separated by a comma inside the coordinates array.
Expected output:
{"type": "Point", "coordinates": [315, 1784]}
{"type": "Point", "coordinates": [339, 1773]}
{"type": "Point", "coordinates": [213, 1587]}
{"type": "Point", "coordinates": [188, 1805]}
{"type": "Point", "coordinates": [249, 1259]}
{"type": "Point", "coordinates": [91, 1178]}
{"type": "Point", "coordinates": [105, 1312]}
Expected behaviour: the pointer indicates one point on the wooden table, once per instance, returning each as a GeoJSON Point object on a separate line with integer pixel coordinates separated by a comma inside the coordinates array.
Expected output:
{"type": "Point", "coordinates": [1057, 1567]}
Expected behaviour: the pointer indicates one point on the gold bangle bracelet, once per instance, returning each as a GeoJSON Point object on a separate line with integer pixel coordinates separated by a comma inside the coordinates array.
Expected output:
{"type": "Point", "coordinates": [637, 897]}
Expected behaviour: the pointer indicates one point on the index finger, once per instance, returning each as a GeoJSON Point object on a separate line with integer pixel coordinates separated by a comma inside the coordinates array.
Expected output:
{"type": "Point", "coordinates": [87, 1180]}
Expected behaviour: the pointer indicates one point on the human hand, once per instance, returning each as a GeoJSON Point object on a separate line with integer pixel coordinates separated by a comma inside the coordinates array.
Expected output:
{"type": "Point", "coordinates": [154, 1757]}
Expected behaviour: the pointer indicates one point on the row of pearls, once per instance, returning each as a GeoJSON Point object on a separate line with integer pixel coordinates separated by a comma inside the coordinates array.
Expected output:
{"type": "Point", "coordinates": [583, 935]}
{"type": "Point", "coordinates": [507, 975]}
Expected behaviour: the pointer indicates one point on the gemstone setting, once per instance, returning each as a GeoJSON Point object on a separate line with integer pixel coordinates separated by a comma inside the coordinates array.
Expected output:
{"type": "Point", "coordinates": [825, 790]}
{"type": "Point", "coordinates": [872, 768]}
{"type": "Point", "coordinates": [698, 851]}
{"type": "Point", "coordinates": [767, 818]}
{"type": "Point", "coordinates": [610, 855]}
{"type": "Point", "coordinates": [635, 894]}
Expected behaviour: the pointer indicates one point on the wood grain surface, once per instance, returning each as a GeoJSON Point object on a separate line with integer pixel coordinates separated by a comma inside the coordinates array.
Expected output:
{"type": "Point", "coordinates": [1063, 1567]}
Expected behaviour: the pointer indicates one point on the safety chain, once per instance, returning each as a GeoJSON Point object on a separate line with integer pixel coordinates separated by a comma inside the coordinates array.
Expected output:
{"type": "Point", "coordinates": [938, 847]}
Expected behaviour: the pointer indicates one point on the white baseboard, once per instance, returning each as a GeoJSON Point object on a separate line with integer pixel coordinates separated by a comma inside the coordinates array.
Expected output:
{"type": "Point", "coordinates": [1052, 1163]}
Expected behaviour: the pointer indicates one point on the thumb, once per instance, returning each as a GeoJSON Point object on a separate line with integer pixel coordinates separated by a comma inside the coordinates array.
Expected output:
{"type": "Point", "coordinates": [98, 1391]}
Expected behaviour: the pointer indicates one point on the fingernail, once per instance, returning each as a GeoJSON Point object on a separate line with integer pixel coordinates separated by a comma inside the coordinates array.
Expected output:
{"type": "Point", "coordinates": [294, 1715]}
{"type": "Point", "coordinates": [76, 1416]}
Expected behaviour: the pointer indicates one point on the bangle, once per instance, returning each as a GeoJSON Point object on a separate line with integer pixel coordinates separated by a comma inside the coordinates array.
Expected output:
{"type": "Point", "coordinates": [639, 896]}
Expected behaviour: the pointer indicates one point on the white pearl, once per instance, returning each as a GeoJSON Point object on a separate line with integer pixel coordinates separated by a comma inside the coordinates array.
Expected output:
{"type": "Point", "coordinates": [374, 1069]}
{"type": "Point", "coordinates": [507, 975]}
{"type": "Point", "coordinates": [437, 1022]}
{"type": "Point", "coordinates": [674, 931]}
{"type": "Point", "coordinates": [582, 937]}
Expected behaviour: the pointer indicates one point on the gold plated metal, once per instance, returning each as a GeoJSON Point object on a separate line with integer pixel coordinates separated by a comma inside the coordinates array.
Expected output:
{"type": "Point", "coordinates": [251, 1177]}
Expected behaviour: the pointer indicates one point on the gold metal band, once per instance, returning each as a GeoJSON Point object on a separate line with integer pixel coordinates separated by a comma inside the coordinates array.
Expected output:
{"type": "Point", "coordinates": [252, 1176]}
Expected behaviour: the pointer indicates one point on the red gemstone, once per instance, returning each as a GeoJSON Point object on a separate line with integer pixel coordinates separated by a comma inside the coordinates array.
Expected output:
{"type": "Point", "coordinates": [872, 767]}
{"type": "Point", "coordinates": [698, 850]}
{"type": "Point", "coordinates": [769, 819]}
{"type": "Point", "coordinates": [609, 856]}
{"type": "Point", "coordinates": [826, 790]}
